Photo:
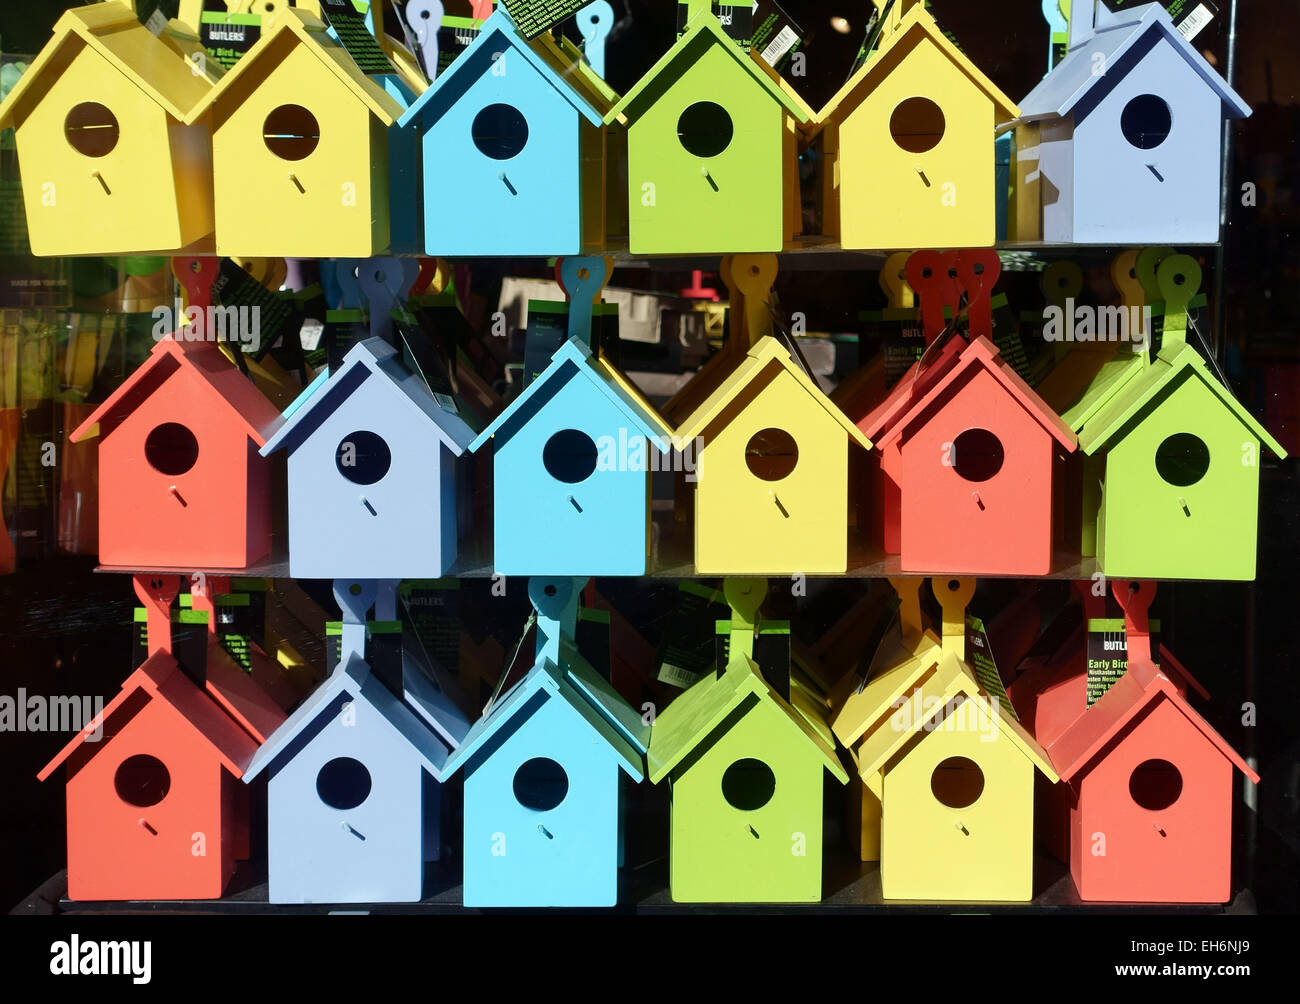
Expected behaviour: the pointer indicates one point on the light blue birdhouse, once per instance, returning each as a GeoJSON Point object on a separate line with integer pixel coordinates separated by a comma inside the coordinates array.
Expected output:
{"type": "Point", "coordinates": [372, 458]}
{"type": "Point", "coordinates": [571, 478]}
{"type": "Point", "coordinates": [354, 788]}
{"type": "Point", "coordinates": [510, 151]}
{"type": "Point", "coordinates": [542, 774]}
{"type": "Point", "coordinates": [1131, 131]}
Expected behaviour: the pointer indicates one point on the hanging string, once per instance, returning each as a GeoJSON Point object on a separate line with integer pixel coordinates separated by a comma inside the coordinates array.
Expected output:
{"type": "Point", "coordinates": [528, 626]}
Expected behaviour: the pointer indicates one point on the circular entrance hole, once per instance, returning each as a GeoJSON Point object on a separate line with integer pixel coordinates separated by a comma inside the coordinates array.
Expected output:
{"type": "Point", "coordinates": [748, 784]}
{"type": "Point", "coordinates": [705, 129]}
{"type": "Point", "coordinates": [541, 784]}
{"type": "Point", "coordinates": [1182, 459]}
{"type": "Point", "coordinates": [1146, 121]}
{"type": "Point", "coordinates": [500, 132]}
{"type": "Point", "coordinates": [171, 449]}
{"type": "Point", "coordinates": [570, 456]}
{"type": "Point", "coordinates": [1155, 784]}
{"type": "Point", "coordinates": [291, 132]}
{"type": "Point", "coordinates": [977, 455]}
{"type": "Point", "coordinates": [142, 780]}
{"type": "Point", "coordinates": [772, 454]}
{"type": "Point", "coordinates": [957, 782]}
{"type": "Point", "coordinates": [363, 458]}
{"type": "Point", "coordinates": [343, 783]}
{"type": "Point", "coordinates": [917, 125]}
{"type": "Point", "coordinates": [91, 129]}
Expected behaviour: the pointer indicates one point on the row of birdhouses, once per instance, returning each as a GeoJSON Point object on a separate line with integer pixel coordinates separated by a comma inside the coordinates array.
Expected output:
{"type": "Point", "coordinates": [128, 145]}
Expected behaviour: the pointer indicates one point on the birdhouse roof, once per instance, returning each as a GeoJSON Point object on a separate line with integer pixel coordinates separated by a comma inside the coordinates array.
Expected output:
{"type": "Point", "coordinates": [909, 389]}
{"type": "Point", "coordinates": [570, 360]}
{"type": "Point", "coordinates": [296, 26]}
{"type": "Point", "coordinates": [448, 87]}
{"type": "Point", "coordinates": [703, 32]}
{"type": "Point", "coordinates": [941, 682]}
{"type": "Point", "coordinates": [1141, 687]}
{"type": "Point", "coordinates": [566, 60]}
{"type": "Point", "coordinates": [916, 25]}
{"type": "Point", "coordinates": [114, 32]}
{"type": "Point", "coordinates": [370, 359]}
{"type": "Point", "coordinates": [1085, 380]}
{"type": "Point", "coordinates": [161, 678]}
{"type": "Point", "coordinates": [354, 680]}
{"type": "Point", "coordinates": [1132, 33]}
{"type": "Point", "coordinates": [706, 710]}
{"type": "Point", "coordinates": [580, 687]}
{"type": "Point", "coordinates": [251, 410]}
{"type": "Point", "coordinates": [1166, 373]}
{"type": "Point", "coordinates": [982, 353]}
{"type": "Point", "coordinates": [767, 357]}
{"type": "Point", "coordinates": [873, 701]}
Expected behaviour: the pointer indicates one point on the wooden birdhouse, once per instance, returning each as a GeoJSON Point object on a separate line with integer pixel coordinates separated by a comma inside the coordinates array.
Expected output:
{"type": "Point", "coordinates": [354, 787]}
{"type": "Point", "coordinates": [543, 769]}
{"type": "Point", "coordinates": [572, 461]}
{"type": "Point", "coordinates": [372, 472]}
{"type": "Point", "coordinates": [745, 770]}
{"type": "Point", "coordinates": [513, 152]}
{"type": "Point", "coordinates": [909, 144]}
{"type": "Point", "coordinates": [712, 149]}
{"type": "Point", "coordinates": [1129, 132]}
{"type": "Point", "coordinates": [975, 467]}
{"type": "Point", "coordinates": [1146, 811]}
{"type": "Point", "coordinates": [953, 770]}
{"type": "Point", "coordinates": [772, 461]}
{"type": "Point", "coordinates": [300, 148]}
{"type": "Point", "coordinates": [155, 807]}
{"type": "Point", "coordinates": [110, 163]}
{"type": "Point", "coordinates": [181, 484]}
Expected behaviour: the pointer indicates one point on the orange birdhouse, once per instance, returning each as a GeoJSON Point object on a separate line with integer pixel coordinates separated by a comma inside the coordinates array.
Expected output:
{"type": "Point", "coordinates": [181, 483]}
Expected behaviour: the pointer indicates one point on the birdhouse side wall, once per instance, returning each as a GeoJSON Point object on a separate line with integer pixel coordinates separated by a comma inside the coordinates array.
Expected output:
{"type": "Point", "coordinates": [1057, 164]}
{"type": "Point", "coordinates": [1151, 528]}
{"type": "Point", "coordinates": [174, 849]}
{"type": "Point", "coordinates": [1120, 851]}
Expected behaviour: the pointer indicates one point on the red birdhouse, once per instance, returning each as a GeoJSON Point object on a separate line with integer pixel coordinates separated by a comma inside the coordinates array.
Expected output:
{"type": "Point", "coordinates": [181, 482]}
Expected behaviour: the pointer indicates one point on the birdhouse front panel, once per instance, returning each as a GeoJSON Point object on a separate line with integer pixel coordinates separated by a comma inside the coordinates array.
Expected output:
{"type": "Point", "coordinates": [571, 487]}
{"type": "Point", "coordinates": [976, 484]}
{"type": "Point", "coordinates": [345, 812]}
{"type": "Point", "coordinates": [916, 165]}
{"type": "Point", "coordinates": [542, 814]}
{"type": "Point", "coordinates": [1181, 492]}
{"type": "Point", "coordinates": [705, 167]}
{"type": "Point", "coordinates": [503, 163]}
{"type": "Point", "coordinates": [365, 492]}
{"type": "Point", "coordinates": [1153, 820]}
{"type": "Point", "coordinates": [772, 491]}
{"type": "Point", "coordinates": [301, 162]}
{"type": "Point", "coordinates": [746, 821]}
{"type": "Point", "coordinates": [1146, 157]}
{"type": "Point", "coordinates": [102, 161]}
{"type": "Point", "coordinates": [957, 814]}
{"type": "Point", "coordinates": [149, 815]}
{"type": "Point", "coordinates": [182, 485]}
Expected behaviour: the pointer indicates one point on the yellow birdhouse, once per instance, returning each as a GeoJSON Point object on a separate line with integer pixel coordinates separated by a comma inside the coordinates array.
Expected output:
{"type": "Point", "coordinates": [909, 143]}
{"type": "Point", "coordinates": [109, 165]}
{"type": "Point", "coordinates": [300, 146]}
{"type": "Point", "coordinates": [772, 459]}
{"type": "Point", "coordinates": [952, 770]}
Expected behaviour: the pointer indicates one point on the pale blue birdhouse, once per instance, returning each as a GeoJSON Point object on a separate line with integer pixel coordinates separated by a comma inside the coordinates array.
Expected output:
{"type": "Point", "coordinates": [1131, 132]}
{"type": "Point", "coordinates": [372, 460]}
{"type": "Point", "coordinates": [354, 788]}
{"type": "Point", "coordinates": [543, 769]}
{"type": "Point", "coordinates": [510, 150]}
{"type": "Point", "coordinates": [573, 458]}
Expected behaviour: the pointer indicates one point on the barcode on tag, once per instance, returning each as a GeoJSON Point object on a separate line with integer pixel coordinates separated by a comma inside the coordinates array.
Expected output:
{"type": "Point", "coordinates": [157, 22]}
{"type": "Point", "coordinates": [676, 676]}
{"type": "Point", "coordinates": [310, 334]}
{"type": "Point", "coordinates": [1192, 24]}
{"type": "Point", "coordinates": [785, 40]}
{"type": "Point", "coordinates": [446, 402]}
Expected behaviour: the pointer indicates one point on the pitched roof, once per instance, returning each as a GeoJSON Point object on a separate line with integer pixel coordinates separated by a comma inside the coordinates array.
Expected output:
{"type": "Point", "coordinates": [1166, 373]}
{"type": "Point", "coordinates": [868, 706]}
{"type": "Point", "coordinates": [115, 33]}
{"type": "Point", "coordinates": [255, 414]}
{"type": "Point", "coordinates": [1125, 34]}
{"type": "Point", "coordinates": [582, 689]}
{"type": "Point", "coordinates": [765, 357]}
{"type": "Point", "coordinates": [566, 60]}
{"type": "Point", "coordinates": [695, 715]}
{"type": "Point", "coordinates": [370, 358]}
{"type": "Point", "coordinates": [161, 678]}
{"type": "Point", "coordinates": [1083, 382]}
{"type": "Point", "coordinates": [910, 388]}
{"type": "Point", "coordinates": [983, 354]}
{"type": "Point", "coordinates": [313, 34]}
{"type": "Point", "coordinates": [573, 359]}
{"type": "Point", "coordinates": [703, 32]}
{"type": "Point", "coordinates": [448, 87]}
{"type": "Point", "coordinates": [354, 680]}
{"type": "Point", "coordinates": [917, 25]}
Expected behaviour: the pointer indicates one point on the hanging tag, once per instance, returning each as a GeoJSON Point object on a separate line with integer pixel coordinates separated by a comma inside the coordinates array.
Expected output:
{"type": "Point", "coordinates": [228, 37]}
{"type": "Point", "coordinates": [688, 648]}
{"type": "Point", "coordinates": [355, 37]}
{"type": "Point", "coordinates": [157, 22]}
{"type": "Point", "coordinates": [455, 35]}
{"type": "Point", "coordinates": [979, 654]}
{"type": "Point", "coordinates": [1108, 653]}
{"type": "Point", "coordinates": [532, 17]}
{"type": "Point", "coordinates": [274, 314]}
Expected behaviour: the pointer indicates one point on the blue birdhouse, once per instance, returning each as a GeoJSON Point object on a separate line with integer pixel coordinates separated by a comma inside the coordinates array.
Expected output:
{"type": "Point", "coordinates": [573, 457]}
{"type": "Point", "coordinates": [1131, 126]}
{"type": "Point", "coordinates": [513, 155]}
{"type": "Point", "coordinates": [543, 769]}
{"type": "Point", "coordinates": [354, 788]}
{"type": "Point", "coordinates": [372, 458]}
